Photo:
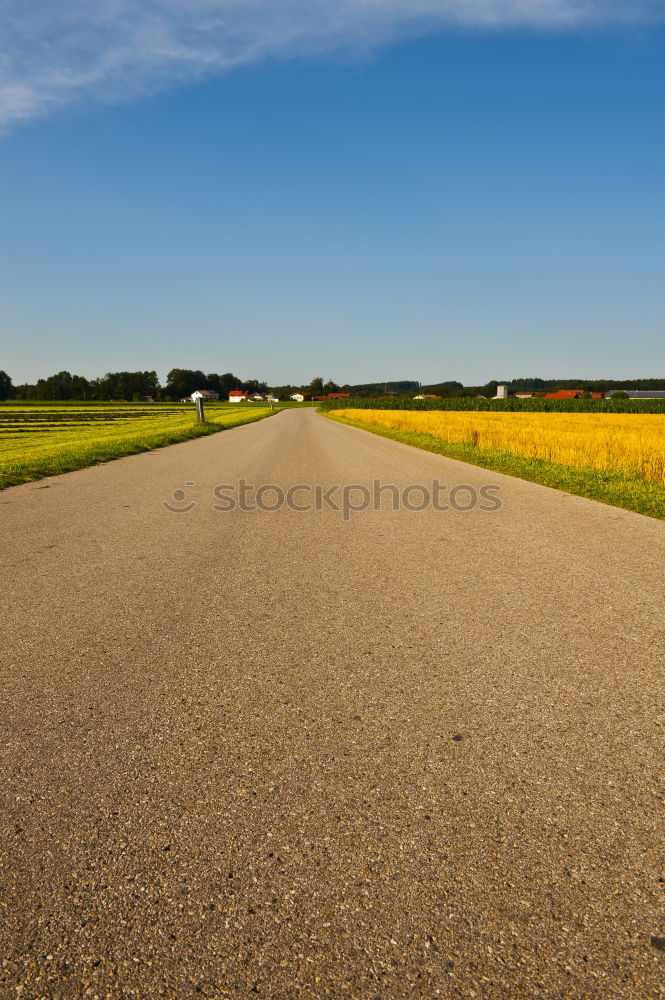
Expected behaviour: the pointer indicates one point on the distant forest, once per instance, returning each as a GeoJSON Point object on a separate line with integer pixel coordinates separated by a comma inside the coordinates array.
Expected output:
{"type": "Point", "coordinates": [181, 382]}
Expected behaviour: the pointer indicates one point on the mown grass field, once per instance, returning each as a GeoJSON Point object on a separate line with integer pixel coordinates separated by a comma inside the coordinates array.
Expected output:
{"type": "Point", "coordinates": [45, 440]}
{"type": "Point", "coordinates": [616, 458]}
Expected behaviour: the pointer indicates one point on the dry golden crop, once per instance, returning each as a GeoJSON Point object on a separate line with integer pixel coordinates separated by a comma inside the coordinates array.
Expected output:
{"type": "Point", "coordinates": [630, 444]}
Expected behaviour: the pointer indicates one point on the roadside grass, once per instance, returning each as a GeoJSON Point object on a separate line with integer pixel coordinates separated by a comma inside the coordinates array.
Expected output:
{"type": "Point", "coordinates": [611, 488]}
{"type": "Point", "coordinates": [46, 441]}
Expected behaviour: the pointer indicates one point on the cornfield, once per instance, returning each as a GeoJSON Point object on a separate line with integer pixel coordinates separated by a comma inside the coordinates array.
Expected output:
{"type": "Point", "coordinates": [632, 445]}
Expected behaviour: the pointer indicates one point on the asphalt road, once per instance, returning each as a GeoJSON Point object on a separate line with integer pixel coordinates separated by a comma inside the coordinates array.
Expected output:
{"type": "Point", "coordinates": [284, 755]}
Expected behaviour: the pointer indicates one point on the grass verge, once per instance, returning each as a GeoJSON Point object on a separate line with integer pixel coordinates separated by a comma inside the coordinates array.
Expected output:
{"type": "Point", "coordinates": [607, 487]}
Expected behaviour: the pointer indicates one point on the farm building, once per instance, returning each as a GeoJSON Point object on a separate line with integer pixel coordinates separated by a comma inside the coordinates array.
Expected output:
{"type": "Point", "coordinates": [299, 397]}
{"type": "Point", "coordinates": [571, 394]}
{"type": "Point", "coordinates": [237, 396]}
{"type": "Point", "coordinates": [638, 393]}
{"type": "Point", "coordinates": [204, 394]}
{"type": "Point", "coordinates": [557, 394]}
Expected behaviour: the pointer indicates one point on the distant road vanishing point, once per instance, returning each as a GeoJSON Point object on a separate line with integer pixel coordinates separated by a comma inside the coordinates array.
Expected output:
{"type": "Point", "coordinates": [280, 753]}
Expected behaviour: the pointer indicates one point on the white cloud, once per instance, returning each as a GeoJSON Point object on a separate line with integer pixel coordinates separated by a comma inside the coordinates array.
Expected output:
{"type": "Point", "coordinates": [53, 52]}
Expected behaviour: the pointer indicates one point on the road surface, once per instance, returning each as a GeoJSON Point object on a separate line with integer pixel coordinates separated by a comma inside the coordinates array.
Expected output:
{"type": "Point", "coordinates": [283, 754]}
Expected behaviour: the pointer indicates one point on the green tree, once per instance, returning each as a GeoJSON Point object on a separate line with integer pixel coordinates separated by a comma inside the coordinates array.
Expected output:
{"type": "Point", "coordinates": [63, 385]}
{"type": "Point", "coordinates": [127, 385]}
{"type": "Point", "coordinates": [227, 382]}
{"type": "Point", "coordinates": [181, 382]}
{"type": "Point", "coordinates": [6, 387]}
{"type": "Point", "coordinates": [253, 385]}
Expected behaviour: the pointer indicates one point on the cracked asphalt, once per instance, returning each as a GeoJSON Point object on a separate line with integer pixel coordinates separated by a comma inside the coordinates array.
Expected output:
{"type": "Point", "coordinates": [415, 754]}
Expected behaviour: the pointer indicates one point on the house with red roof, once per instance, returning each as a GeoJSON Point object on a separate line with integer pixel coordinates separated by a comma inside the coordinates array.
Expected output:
{"type": "Point", "coordinates": [556, 394]}
{"type": "Point", "coordinates": [571, 394]}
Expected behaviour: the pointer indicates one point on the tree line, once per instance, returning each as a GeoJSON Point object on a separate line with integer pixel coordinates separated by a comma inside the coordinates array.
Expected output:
{"type": "Point", "coordinates": [138, 386]}
{"type": "Point", "coordinates": [452, 389]}
{"type": "Point", "coordinates": [181, 382]}
{"type": "Point", "coordinates": [130, 386]}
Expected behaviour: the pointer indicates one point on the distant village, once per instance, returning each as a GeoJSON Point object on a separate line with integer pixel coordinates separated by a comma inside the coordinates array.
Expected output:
{"type": "Point", "coordinates": [240, 396]}
{"type": "Point", "coordinates": [502, 392]}
{"type": "Point", "coordinates": [189, 385]}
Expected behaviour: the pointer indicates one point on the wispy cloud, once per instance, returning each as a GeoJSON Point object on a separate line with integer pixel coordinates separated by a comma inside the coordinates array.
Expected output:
{"type": "Point", "coordinates": [53, 52]}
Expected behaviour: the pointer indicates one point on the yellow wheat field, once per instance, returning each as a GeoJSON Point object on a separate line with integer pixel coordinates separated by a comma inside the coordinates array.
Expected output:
{"type": "Point", "coordinates": [630, 444]}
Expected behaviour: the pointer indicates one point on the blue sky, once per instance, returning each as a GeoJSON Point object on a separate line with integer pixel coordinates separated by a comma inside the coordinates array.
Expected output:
{"type": "Point", "coordinates": [451, 197]}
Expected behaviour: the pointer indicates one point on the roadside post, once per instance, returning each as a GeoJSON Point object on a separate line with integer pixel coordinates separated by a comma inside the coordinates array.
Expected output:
{"type": "Point", "coordinates": [199, 410]}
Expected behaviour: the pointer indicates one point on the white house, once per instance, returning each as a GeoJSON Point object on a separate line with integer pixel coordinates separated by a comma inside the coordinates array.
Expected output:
{"type": "Point", "coordinates": [299, 397]}
{"type": "Point", "coordinates": [237, 396]}
{"type": "Point", "coordinates": [204, 394]}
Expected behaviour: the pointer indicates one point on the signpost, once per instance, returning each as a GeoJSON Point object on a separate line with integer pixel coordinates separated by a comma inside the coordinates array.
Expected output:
{"type": "Point", "coordinates": [199, 409]}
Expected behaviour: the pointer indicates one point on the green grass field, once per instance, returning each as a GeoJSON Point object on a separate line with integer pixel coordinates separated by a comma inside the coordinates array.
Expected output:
{"type": "Point", "coordinates": [607, 487]}
{"type": "Point", "coordinates": [51, 438]}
